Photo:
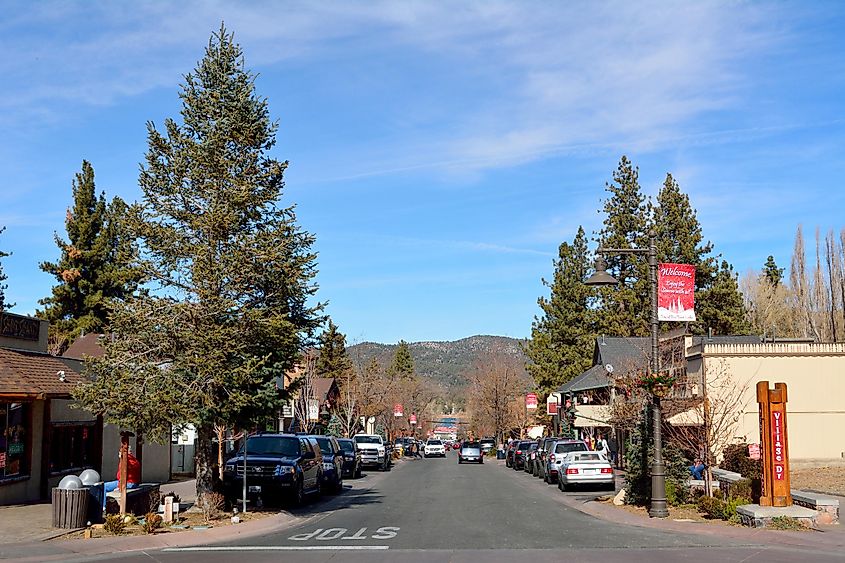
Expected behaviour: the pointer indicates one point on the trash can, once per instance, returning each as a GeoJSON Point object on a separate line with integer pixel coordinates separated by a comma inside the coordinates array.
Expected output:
{"type": "Point", "coordinates": [500, 454]}
{"type": "Point", "coordinates": [96, 493]}
{"type": "Point", "coordinates": [70, 507]}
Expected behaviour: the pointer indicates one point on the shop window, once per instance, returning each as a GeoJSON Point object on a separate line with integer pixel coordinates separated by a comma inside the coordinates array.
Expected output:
{"type": "Point", "coordinates": [14, 422]}
{"type": "Point", "coordinates": [72, 446]}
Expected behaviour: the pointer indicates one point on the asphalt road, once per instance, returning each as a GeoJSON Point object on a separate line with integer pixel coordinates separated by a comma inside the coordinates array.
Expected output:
{"type": "Point", "coordinates": [437, 510]}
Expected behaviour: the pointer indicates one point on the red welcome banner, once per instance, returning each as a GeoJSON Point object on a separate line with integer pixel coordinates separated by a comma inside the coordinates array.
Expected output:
{"type": "Point", "coordinates": [676, 292]}
{"type": "Point", "coordinates": [531, 401]}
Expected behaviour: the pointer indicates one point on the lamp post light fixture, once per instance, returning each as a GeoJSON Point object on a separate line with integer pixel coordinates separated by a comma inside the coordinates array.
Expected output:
{"type": "Point", "coordinates": [658, 508]}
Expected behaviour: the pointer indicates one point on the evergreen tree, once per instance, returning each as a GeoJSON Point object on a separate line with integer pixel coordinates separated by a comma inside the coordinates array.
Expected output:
{"type": "Point", "coordinates": [93, 269]}
{"type": "Point", "coordinates": [4, 306]}
{"type": "Point", "coordinates": [721, 308]}
{"type": "Point", "coordinates": [679, 237]}
{"type": "Point", "coordinates": [625, 308]}
{"type": "Point", "coordinates": [333, 361]}
{"type": "Point", "coordinates": [562, 336]}
{"type": "Point", "coordinates": [231, 272]}
{"type": "Point", "coordinates": [403, 364]}
{"type": "Point", "coordinates": [771, 272]}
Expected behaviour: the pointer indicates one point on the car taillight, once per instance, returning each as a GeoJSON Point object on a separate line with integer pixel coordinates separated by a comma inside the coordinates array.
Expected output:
{"type": "Point", "coordinates": [551, 457]}
{"type": "Point", "coordinates": [606, 470]}
{"type": "Point", "coordinates": [518, 452]}
{"type": "Point", "coordinates": [572, 471]}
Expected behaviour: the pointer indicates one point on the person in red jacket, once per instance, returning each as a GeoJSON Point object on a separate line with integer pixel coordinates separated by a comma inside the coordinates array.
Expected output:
{"type": "Point", "coordinates": [133, 474]}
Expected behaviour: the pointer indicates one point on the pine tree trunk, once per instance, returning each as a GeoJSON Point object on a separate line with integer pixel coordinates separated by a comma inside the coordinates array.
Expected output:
{"type": "Point", "coordinates": [204, 460]}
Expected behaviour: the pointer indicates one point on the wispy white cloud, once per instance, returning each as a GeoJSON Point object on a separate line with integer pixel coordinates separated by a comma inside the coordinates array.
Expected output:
{"type": "Point", "coordinates": [565, 78]}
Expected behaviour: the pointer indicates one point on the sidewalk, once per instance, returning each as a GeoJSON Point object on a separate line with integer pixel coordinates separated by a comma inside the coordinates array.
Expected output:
{"type": "Point", "coordinates": [34, 522]}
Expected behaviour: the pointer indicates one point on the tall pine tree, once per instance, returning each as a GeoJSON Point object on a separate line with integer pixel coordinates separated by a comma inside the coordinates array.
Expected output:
{"type": "Point", "coordinates": [562, 336]}
{"type": "Point", "coordinates": [333, 361]}
{"type": "Point", "coordinates": [231, 273]}
{"type": "Point", "coordinates": [771, 272]}
{"type": "Point", "coordinates": [93, 268]}
{"type": "Point", "coordinates": [4, 306]}
{"type": "Point", "coordinates": [720, 308]}
{"type": "Point", "coordinates": [625, 307]}
{"type": "Point", "coordinates": [402, 366]}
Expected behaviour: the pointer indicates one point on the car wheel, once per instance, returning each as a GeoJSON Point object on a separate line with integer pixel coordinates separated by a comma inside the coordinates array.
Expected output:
{"type": "Point", "coordinates": [338, 486]}
{"type": "Point", "coordinates": [460, 461]}
{"type": "Point", "coordinates": [298, 498]}
{"type": "Point", "coordinates": [561, 486]}
{"type": "Point", "coordinates": [357, 473]}
{"type": "Point", "coordinates": [546, 479]}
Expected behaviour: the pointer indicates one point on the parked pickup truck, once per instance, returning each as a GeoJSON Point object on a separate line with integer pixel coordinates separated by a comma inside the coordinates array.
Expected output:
{"type": "Point", "coordinates": [373, 451]}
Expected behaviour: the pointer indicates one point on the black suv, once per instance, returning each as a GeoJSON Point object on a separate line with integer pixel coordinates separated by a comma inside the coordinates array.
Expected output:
{"type": "Point", "coordinates": [351, 458]}
{"type": "Point", "coordinates": [519, 454]}
{"type": "Point", "coordinates": [277, 466]}
{"type": "Point", "coordinates": [332, 463]}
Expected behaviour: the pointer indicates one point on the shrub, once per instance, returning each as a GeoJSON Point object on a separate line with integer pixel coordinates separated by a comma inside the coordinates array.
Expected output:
{"type": "Point", "coordinates": [212, 505]}
{"type": "Point", "coordinates": [786, 523]}
{"type": "Point", "coordinates": [638, 464]}
{"type": "Point", "coordinates": [677, 493]}
{"type": "Point", "coordinates": [740, 489]}
{"type": "Point", "coordinates": [152, 522]}
{"type": "Point", "coordinates": [712, 507]}
{"type": "Point", "coordinates": [736, 459]}
{"type": "Point", "coordinates": [114, 524]}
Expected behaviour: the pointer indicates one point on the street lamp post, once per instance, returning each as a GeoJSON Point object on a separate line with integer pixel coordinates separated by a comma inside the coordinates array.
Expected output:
{"type": "Point", "coordinates": [658, 508]}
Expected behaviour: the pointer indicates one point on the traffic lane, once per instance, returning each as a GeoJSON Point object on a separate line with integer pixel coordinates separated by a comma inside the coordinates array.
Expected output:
{"type": "Point", "coordinates": [458, 529]}
{"type": "Point", "coordinates": [436, 503]}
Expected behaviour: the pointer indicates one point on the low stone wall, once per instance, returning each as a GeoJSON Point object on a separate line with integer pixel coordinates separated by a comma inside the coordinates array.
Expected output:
{"type": "Point", "coordinates": [827, 507]}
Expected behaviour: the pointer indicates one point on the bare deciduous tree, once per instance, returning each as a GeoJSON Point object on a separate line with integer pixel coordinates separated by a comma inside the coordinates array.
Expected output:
{"type": "Point", "coordinates": [497, 383]}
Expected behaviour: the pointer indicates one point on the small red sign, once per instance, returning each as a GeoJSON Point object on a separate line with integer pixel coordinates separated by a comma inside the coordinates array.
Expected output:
{"type": "Point", "coordinates": [778, 449]}
{"type": "Point", "coordinates": [413, 419]}
{"type": "Point", "coordinates": [754, 451]}
{"type": "Point", "coordinates": [551, 407]}
{"type": "Point", "coordinates": [676, 292]}
{"type": "Point", "coordinates": [398, 410]}
{"type": "Point", "coordinates": [531, 401]}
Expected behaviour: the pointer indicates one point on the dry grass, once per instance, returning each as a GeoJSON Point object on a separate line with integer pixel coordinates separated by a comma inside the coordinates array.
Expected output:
{"type": "Point", "coordinates": [829, 480]}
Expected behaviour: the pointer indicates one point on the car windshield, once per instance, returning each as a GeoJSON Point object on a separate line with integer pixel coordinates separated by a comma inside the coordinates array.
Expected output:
{"type": "Point", "coordinates": [488, 441]}
{"type": "Point", "coordinates": [368, 439]}
{"type": "Point", "coordinates": [347, 446]}
{"type": "Point", "coordinates": [435, 443]}
{"type": "Point", "coordinates": [533, 446]}
{"type": "Point", "coordinates": [571, 447]}
{"type": "Point", "coordinates": [325, 445]}
{"type": "Point", "coordinates": [523, 445]}
{"type": "Point", "coordinates": [469, 445]}
{"type": "Point", "coordinates": [272, 445]}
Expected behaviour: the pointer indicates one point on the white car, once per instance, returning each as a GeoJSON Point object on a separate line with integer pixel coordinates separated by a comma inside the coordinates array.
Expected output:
{"type": "Point", "coordinates": [585, 468]}
{"type": "Point", "coordinates": [434, 447]}
{"type": "Point", "coordinates": [373, 451]}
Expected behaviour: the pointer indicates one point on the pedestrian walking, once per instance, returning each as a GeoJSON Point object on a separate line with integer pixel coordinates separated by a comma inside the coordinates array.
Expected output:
{"type": "Point", "coordinates": [415, 450]}
{"type": "Point", "coordinates": [613, 447]}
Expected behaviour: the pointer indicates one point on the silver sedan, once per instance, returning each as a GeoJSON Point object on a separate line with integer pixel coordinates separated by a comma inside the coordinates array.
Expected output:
{"type": "Point", "coordinates": [470, 451]}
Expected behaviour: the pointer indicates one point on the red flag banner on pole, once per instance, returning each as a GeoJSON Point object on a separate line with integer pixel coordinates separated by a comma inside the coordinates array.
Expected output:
{"type": "Point", "coordinates": [531, 401]}
{"type": "Point", "coordinates": [397, 410]}
{"type": "Point", "coordinates": [676, 292]}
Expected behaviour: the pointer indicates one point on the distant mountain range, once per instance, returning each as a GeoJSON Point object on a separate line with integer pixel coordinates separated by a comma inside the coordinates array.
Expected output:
{"type": "Point", "coordinates": [445, 362]}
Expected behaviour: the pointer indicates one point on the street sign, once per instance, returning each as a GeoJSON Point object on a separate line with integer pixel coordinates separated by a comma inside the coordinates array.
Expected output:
{"type": "Point", "coordinates": [313, 410]}
{"type": "Point", "coordinates": [413, 419]}
{"type": "Point", "coordinates": [397, 410]}
{"type": "Point", "coordinates": [552, 402]}
{"type": "Point", "coordinates": [531, 401]}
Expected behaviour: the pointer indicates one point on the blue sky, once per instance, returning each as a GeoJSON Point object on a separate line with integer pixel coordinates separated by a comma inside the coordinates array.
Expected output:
{"type": "Point", "coordinates": [440, 152]}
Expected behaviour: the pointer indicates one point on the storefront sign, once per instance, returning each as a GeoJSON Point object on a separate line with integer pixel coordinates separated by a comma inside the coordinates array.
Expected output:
{"type": "Point", "coordinates": [531, 401]}
{"type": "Point", "coordinates": [397, 410]}
{"type": "Point", "coordinates": [676, 292]}
{"type": "Point", "coordinates": [17, 326]}
{"type": "Point", "coordinates": [313, 410]}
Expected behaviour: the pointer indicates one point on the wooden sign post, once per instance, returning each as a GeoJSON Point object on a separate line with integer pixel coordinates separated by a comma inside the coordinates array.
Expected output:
{"type": "Point", "coordinates": [773, 437]}
{"type": "Point", "coordinates": [123, 468]}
